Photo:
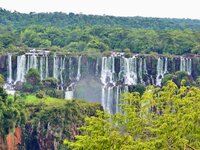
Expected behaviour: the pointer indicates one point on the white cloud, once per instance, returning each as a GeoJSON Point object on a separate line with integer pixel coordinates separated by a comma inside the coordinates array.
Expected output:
{"type": "Point", "coordinates": [148, 8]}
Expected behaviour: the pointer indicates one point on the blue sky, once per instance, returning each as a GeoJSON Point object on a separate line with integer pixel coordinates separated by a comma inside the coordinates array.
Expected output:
{"type": "Point", "coordinates": [146, 8]}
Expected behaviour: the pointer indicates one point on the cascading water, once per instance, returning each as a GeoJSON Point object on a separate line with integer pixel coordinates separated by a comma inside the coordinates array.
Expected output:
{"type": "Point", "coordinates": [21, 68]}
{"type": "Point", "coordinates": [79, 69]}
{"type": "Point", "coordinates": [70, 69]}
{"type": "Point", "coordinates": [41, 68]}
{"type": "Point", "coordinates": [161, 70]}
{"type": "Point", "coordinates": [107, 78]}
{"type": "Point", "coordinates": [130, 70]}
{"type": "Point", "coordinates": [108, 70]}
{"type": "Point", "coordinates": [116, 75]}
{"type": "Point", "coordinates": [55, 66]}
{"type": "Point", "coordinates": [97, 67]}
{"type": "Point", "coordinates": [62, 71]}
{"type": "Point", "coordinates": [31, 61]}
{"type": "Point", "coordinates": [47, 66]}
{"type": "Point", "coordinates": [186, 65]}
{"type": "Point", "coordinates": [9, 69]}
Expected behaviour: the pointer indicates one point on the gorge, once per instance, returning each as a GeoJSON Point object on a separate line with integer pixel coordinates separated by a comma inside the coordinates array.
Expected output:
{"type": "Point", "coordinates": [106, 76]}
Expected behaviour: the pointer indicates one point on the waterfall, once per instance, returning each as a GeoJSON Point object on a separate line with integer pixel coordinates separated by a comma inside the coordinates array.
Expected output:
{"type": "Point", "coordinates": [70, 69]}
{"type": "Point", "coordinates": [109, 99]}
{"type": "Point", "coordinates": [61, 72]}
{"type": "Point", "coordinates": [79, 69]}
{"type": "Point", "coordinates": [145, 67]}
{"type": "Point", "coordinates": [107, 77]}
{"type": "Point", "coordinates": [162, 65]}
{"type": "Point", "coordinates": [21, 68]}
{"type": "Point", "coordinates": [141, 71]}
{"type": "Point", "coordinates": [97, 67]}
{"type": "Point", "coordinates": [41, 68]}
{"type": "Point", "coordinates": [130, 70]}
{"type": "Point", "coordinates": [28, 63]}
{"type": "Point", "coordinates": [55, 66]}
{"type": "Point", "coordinates": [166, 65]}
{"type": "Point", "coordinates": [34, 61]}
{"type": "Point", "coordinates": [47, 67]}
{"type": "Point", "coordinates": [9, 69]}
{"type": "Point", "coordinates": [117, 98]}
{"type": "Point", "coordinates": [116, 72]}
{"type": "Point", "coordinates": [31, 62]}
{"type": "Point", "coordinates": [186, 65]}
{"type": "Point", "coordinates": [103, 97]}
{"type": "Point", "coordinates": [108, 70]}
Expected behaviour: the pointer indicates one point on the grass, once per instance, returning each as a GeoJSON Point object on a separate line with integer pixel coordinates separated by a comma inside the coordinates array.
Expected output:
{"type": "Point", "coordinates": [46, 102]}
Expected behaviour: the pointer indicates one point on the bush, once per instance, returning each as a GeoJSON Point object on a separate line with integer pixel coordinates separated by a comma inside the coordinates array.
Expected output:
{"type": "Point", "coordinates": [166, 78]}
{"type": "Point", "coordinates": [40, 94]}
{"type": "Point", "coordinates": [32, 83]}
{"type": "Point", "coordinates": [138, 88]}
{"type": "Point", "coordinates": [50, 83]}
{"type": "Point", "coordinates": [59, 94]}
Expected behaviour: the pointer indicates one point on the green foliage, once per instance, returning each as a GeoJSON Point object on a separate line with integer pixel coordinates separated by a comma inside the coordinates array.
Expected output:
{"type": "Point", "coordinates": [167, 78]}
{"type": "Point", "coordinates": [32, 83]}
{"type": "Point", "coordinates": [162, 118]}
{"type": "Point", "coordinates": [57, 117]}
{"type": "Point", "coordinates": [59, 94]}
{"type": "Point", "coordinates": [12, 114]}
{"type": "Point", "coordinates": [196, 49]}
{"type": "Point", "coordinates": [177, 78]}
{"type": "Point", "coordinates": [50, 83]}
{"type": "Point", "coordinates": [79, 33]}
{"type": "Point", "coordinates": [40, 94]}
{"type": "Point", "coordinates": [2, 81]}
{"type": "Point", "coordinates": [50, 88]}
{"type": "Point", "coordinates": [138, 88]}
{"type": "Point", "coordinates": [181, 75]}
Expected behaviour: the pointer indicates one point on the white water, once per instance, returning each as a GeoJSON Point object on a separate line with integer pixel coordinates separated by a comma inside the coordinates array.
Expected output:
{"type": "Point", "coordinates": [41, 68]}
{"type": "Point", "coordinates": [186, 65]}
{"type": "Point", "coordinates": [47, 66]}
{"type": "Point", "coordinates": [21, 68]}
{"type": "Point", "coordinates": [9, 69]}
{"type": "Point", "coordinates": [162, 65]}
{"type": "Point", "coordinates": [97, 67]}
{"type": "Point", "coordinates": [79, 69]}
{"type": "Point", "coordinates": [130, 70]}
{"type": "Point", "coordinates": [108, 70]}
{"type": "Point", "coordinates": [114, 80]}
{"type": "Point", "coordinates": [55, 66]}
{"type": "Point", "coordinates": [145, 67]}
{"type": "Point", "coordinates": [62, 71]}
{"type": "Point", "coordinates": [70, 69]}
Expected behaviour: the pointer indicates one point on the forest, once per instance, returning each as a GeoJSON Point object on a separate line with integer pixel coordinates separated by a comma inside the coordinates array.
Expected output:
{"type": "Point", "coordinates": [91, 34]}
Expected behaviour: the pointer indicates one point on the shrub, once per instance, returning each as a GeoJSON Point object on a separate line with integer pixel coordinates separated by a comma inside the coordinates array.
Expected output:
{"type": "Point", "coordinates": [40, 94]}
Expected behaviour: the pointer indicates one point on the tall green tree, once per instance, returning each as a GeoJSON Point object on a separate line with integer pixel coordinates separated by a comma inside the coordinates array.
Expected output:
{"type": "Point", "coordinates": [12, 114]}
{"type": "Point", "coordinates": [162, 118]}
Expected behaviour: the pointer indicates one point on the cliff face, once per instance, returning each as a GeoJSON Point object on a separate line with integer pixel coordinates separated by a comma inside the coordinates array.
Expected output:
{"type": "Point", "coordinates": [48, 125]}
{"type": "Point", "coordinates": [12, 141]}
{"type": "Point", "coordinates": [3, 65]}
{"type": "Point", "coordinates": [69, 69]}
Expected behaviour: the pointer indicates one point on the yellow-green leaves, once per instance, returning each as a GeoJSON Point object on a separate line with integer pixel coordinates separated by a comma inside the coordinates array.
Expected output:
{"type": "Point", "coordinates": [162, 118]}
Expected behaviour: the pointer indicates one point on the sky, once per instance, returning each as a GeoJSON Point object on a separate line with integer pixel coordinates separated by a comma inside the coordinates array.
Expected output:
{"type": "Point", "coordinates": [146, 8]}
